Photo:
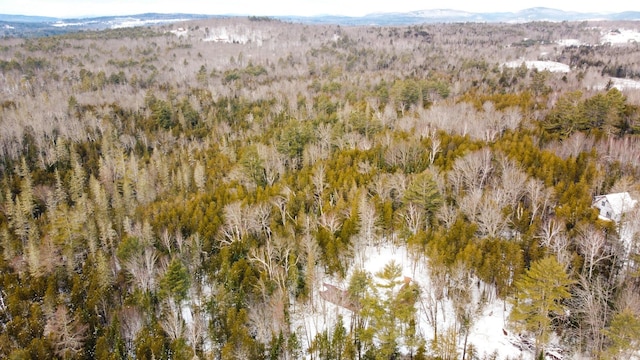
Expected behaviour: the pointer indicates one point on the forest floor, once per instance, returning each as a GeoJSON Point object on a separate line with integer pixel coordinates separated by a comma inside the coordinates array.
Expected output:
{"type": "Point", "coordinates": [488, 334]}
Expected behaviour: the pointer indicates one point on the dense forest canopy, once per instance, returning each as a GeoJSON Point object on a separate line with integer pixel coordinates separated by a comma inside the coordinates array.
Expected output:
{"type": "Point", "coordinates": [184, 191]}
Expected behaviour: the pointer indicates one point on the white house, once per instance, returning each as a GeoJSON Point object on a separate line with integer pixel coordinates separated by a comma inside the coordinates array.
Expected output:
{"type": "Point", "coordinates": [613, 206]}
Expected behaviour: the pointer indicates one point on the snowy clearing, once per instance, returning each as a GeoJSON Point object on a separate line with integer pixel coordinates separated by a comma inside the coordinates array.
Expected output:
{"type": "Point", "coordinates": [623, 84]}
{"type": "Point", "coordinates": [620, 37]}
{"type": "Point", "coordinates": [487, 335]}
{"type": "Point", "coordinates": [569, 42]}
{"type": "Point", "coordinates": [133, 22]}
{"type": "Point", "coordinates": [552, 66]}
{"type": "Point", "coordinates": [179, 32]}
{"type": "Point", "coordinates": [620, 84]}
{"type": "Point", "coordinates": [234, 34]}
{"type": "Point", "coordinates": [65, 24]}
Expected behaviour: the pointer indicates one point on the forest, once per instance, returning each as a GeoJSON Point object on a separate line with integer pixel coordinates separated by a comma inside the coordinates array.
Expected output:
{"type": "Point", "coordinates": [197, 190]}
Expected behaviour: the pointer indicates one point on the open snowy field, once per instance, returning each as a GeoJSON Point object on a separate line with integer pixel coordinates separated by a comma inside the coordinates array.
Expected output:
{"type": "Point", "coordinates": [552, 66]}
{"type": "Point", "coordinates": [620, 37]}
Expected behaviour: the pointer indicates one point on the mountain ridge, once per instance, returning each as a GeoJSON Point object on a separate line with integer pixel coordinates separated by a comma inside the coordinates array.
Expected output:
{"type": "Point", "coordinates": [25, 25]}
{"type": "Point", "coordinates": [444, 15]}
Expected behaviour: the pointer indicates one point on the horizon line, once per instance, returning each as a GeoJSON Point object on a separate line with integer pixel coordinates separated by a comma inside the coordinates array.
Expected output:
{"type": "Point", "coordinates": [316, 15]}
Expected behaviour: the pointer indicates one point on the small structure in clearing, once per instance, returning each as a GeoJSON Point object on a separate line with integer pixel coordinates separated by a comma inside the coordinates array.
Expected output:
{"type": "Point", "coordinates": [337, 296]}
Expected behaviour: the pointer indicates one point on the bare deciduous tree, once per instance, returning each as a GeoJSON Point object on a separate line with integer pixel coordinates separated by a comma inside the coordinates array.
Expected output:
{"type": "Point", "coordinates": [593, 246]}
{"type": "Point", "coordinates": [172, 322]}
{"type": "Point", "coordinates": [471, 203]}
{"type": "Point", "coordinates": [368, 220]}
{"type": "Point", "coordinates": [131, 322]}
{"type": "Point", "coordinates": [414, 218]}
{"type": "Point", "coordinates": [552, 235]}
{"type": "Point", "coordinates": [143, 269]}
{"type": "Point", "coordinates": [66, 332]}
{"type": "Point", "coordinates": [539, 197]}
{"type": "Point", "coordinates": [447, 215]}
{"type": "Point", "coordinates": [432, 298]}
{"type": "Point", "coordinates": [591, 302]}
{"type": "Point", "coordinates": [319, 183]}
{"type": "Point", "coordinates": [467, 303]}
{"type": "Point", "coordinates": [196, 329]}
{"type": "Point", "coordinates": [491, 222]}
{"type": "Point", "coordinates": [239, 220]}
{"type": "Point", "coordinates": [403, 154]}
{"type": "Point", "coordinates": [471, 171]}
{"type": "Point", "coordinates": [272, 162]}
{"type": "Point", "coordinates": [512, 184]}
{"type": "Point", "coordinates": [330, 221]}
{"type": "Point", "coordinates": [275, 258]}
{"type": "Point", "coordinates": [280, 201]}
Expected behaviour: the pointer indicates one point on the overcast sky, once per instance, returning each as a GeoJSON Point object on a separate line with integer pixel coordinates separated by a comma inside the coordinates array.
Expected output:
{"type": "Point", "coordinates": [79, 8]}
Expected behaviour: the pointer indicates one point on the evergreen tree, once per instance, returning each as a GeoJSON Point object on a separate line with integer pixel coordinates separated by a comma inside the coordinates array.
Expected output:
{"type": "Point", "coordinates": [176, 280]}
{"type": "Point", "coordinates": [624, 335]}
{"type": "Point", "coordinates": [539, 295]}
{"type": "Point", "coordinates": [423, 191]}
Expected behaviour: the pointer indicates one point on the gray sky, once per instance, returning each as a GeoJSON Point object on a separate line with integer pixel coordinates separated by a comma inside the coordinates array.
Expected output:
{"type": "Point", "coordinates": [79, 8]}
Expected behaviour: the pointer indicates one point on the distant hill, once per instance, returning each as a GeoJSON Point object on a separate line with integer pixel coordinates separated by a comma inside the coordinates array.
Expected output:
{"type": "Point", "coordinates": [26, 19]}
{"type": "Point", "coordinates": [627, 15]}
{"type": "Point", "coordinates": [452, 16]}
{"type": "Point", "coordinates": [19, 25]}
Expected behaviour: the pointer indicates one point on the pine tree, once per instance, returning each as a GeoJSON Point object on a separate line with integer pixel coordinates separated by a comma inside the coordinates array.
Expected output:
{"type": "Point", "coordinates": [423, 191]}
{"type": "Point", "coordinates": [540, 292]}
{"type": "Point", "coordinates": [176, 280]}
{"type": "Point", "coordinates": [624, 335]}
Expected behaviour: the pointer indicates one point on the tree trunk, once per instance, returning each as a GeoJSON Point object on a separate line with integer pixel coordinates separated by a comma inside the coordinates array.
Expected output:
{"type": "Point", "coordinates": [464, 349]}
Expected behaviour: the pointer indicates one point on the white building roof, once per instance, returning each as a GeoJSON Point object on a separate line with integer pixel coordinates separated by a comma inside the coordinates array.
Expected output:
{"type": "Point", "coordinates": [620, 202]}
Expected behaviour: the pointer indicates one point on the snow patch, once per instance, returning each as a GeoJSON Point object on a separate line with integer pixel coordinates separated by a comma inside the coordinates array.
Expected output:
{"type": "Point", "coordinates": [235, 35]}
{"type": "Point", "coordinates": [187, 314]}
{"type": "Point", "coordinates": [180, 32]}
{"type": "Point", "coordinates": [117, 23]}
{"type": "Point", "coordinates": [442, 13]}
{"type": "Point", "coordinates": [552, 66]}
{"type": "Point", "coordinates": [569, 42]}
{"type": "Point", "coordinates": [65, 24]}
{"type": "Point", "coordinates": [620, 84]}
{"type": "Point", "coordinates": [133, 22]}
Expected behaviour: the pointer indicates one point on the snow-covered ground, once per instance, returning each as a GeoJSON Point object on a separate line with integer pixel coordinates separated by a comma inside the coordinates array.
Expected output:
{"type": "Point", "coordinates": [613, 37]}
{"type": "Point", "coordinates": [620, 84]}
{"type": "Point", "coordinates": [66, 24]}
{"type": "Point", "coordinates": [180, 32]}
{"type": "Point", "coordinates": [118, 23]}
{"type": "Point", "coordinates": [552, 66]}
{"type": "Point", "coordinates": [237, 35]}
{"type": "Point", "coordinates": [628, 229]}
{"type": "Point", "coordinates": [620, 37]}
{"type": "Point", "coordinates": [487, 334]}
{"type": "Point", "coordinates": [569, 42]}
{"type": "Point", "coordinates": [133, 22]}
